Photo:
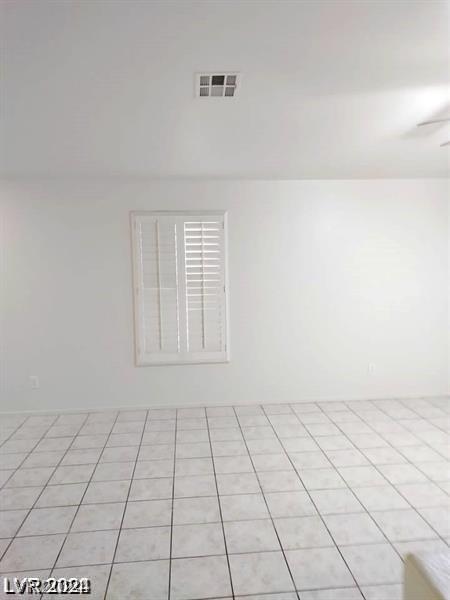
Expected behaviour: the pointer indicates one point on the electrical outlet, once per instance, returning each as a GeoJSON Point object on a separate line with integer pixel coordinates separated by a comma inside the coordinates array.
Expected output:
{"type": "Point", "coordinates": [34, 382]}
{"type": "Point", "coordinates": [371, 367]}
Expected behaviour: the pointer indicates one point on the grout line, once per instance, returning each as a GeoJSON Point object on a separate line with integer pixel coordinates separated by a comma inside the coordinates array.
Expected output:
{"type": "Point", "coordinates": [375, 466]}
{"type": "Point", "coordinates": [205, 556]}
{"type": "Point", "coordinates": [120, 529]}
{"type": "Point", "coordinates": [395, 486]}
{"type": "Point", "coordinates": [126, 504]}
{"type": "Point", "coordinates": [317, 510]}
{"type": "Point", "coordinates": [270, 516]}
{"type": "Point", "coordinates": [40, 493]}
{"type": "Point", "coordinates": [265, 518]}
{"type": "Point", "coordinates": [38, 440]}
{"type": "Point", "coordinates": [356, 497]}
{"type": "Point", "coordinates": [81, 499]}
{"type": "Point", "coordinates": [21, 487]}
{"type": "Point", "coordinates": [169, 589]}
{"type": "Point", "coordinates": [249, 596]}
{"type": "Point", "coordinates": [13, 432]}
{"type": "Point", "coordinates": [46, 485]}
{"type": "Point", "coordinates": [220, 512]}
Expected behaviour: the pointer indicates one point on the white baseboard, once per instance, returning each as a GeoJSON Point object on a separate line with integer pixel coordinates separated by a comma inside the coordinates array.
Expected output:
{"type": "Point", "coordinates": [196, 405]}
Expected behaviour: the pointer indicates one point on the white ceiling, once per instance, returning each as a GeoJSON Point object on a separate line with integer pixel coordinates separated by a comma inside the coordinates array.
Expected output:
{"type": "Point", "coordinates": [330, 89]}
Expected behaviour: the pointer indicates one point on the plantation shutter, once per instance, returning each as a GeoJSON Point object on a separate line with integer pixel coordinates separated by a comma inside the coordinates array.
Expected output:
{"type": "Point", "coordinates": [180, 287]}
{"type": "Point", "coordinates": [158, 252]}
{"type": "Point", "coordinates": [203, 243]}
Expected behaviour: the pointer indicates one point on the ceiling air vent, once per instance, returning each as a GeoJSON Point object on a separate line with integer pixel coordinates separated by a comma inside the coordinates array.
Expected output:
{"type": "Point", "coordinates": [216, 85]}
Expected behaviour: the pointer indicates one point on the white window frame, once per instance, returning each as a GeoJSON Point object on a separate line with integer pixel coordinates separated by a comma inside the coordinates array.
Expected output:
{"type": "Point", "coordinates": [183, 357]}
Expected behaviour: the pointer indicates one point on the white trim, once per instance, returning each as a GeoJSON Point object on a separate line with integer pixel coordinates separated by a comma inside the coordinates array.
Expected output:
{"type": "Point", "coordinates": [123, 407]}
{"type": "Point", "coordinates": [227, 288]}
{"type": "Point", "coordinates": [182, 357]}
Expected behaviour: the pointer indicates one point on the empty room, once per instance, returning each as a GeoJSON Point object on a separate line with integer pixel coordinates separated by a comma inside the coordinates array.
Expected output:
{"type": "Point", "coordinates": [224, 299]}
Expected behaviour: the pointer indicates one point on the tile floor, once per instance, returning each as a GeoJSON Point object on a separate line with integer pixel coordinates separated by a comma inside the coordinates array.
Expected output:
{"type": "Point", "coordinates": [309, 501]}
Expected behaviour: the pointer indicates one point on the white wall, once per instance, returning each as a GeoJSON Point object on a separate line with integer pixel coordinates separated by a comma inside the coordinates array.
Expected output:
{"type": "Point", "coordinates": [325, 278]}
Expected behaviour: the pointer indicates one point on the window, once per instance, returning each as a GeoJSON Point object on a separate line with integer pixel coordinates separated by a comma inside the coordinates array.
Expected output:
{"type": "Point", "coordinates": [180, 287]}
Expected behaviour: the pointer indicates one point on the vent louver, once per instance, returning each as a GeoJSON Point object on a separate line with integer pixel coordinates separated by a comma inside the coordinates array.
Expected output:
{"type": "Point", "coordinates": [216, 85]}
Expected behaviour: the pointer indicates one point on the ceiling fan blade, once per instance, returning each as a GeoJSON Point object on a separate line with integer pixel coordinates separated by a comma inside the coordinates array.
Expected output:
{"type": "Point", "coordinates": [445, 144]}
{"type": "Point", "coordinates": [433, 122]}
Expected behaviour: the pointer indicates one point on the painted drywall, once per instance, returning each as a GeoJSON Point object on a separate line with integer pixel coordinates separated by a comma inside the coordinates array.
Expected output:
{"type": "Point", "coordinates": [329, 88]}
{"type": "Point", "coordinates": [338, 289]}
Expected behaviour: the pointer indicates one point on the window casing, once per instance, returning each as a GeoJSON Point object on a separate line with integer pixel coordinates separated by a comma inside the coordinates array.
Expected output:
{"type": "Point", "coordinates": [180, 288]}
